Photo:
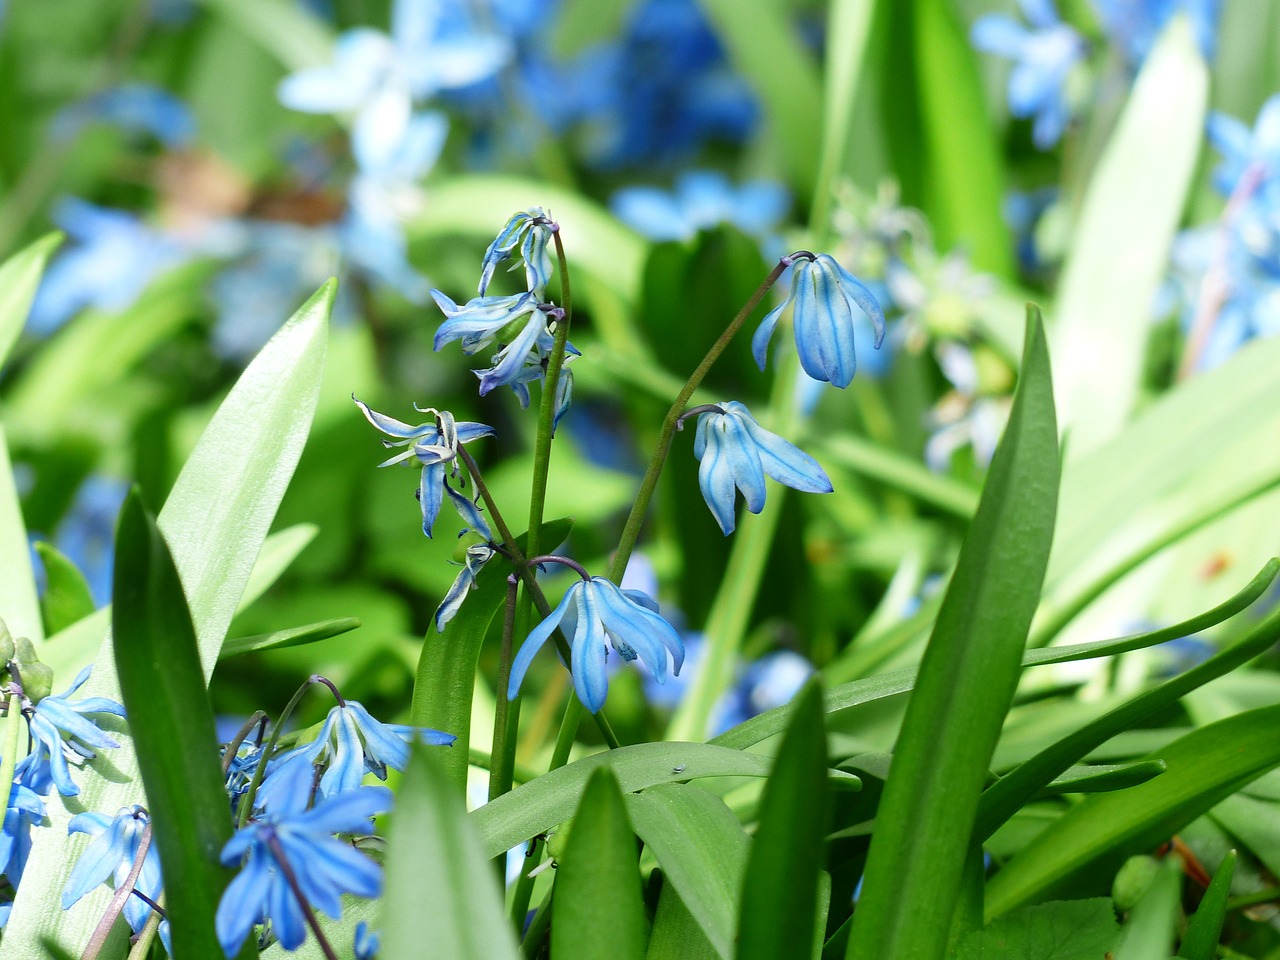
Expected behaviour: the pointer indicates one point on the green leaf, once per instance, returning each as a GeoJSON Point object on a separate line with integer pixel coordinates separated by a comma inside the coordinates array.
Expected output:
{"type": "Point", "coordinates": [445, 683]}
{"type": "Point", "coordinates": [1205, 926]}
{"type": "Point", "coordinates": [780, 892]}
{"type": "Point", "coordinates": [1008, 794]}
{"type": "Point", "coordinates": [675, 934]}
{"type": "Point", "coordinates": [66, 594]}
{"type": "Point", "coordinates": [277, 553]}
{"type": "Point", "coordinates": [163, 688]}
{"type": "Point", "coordinates": [293, 637]}
{"type": "Point", "coordinates": [599, 911]}
{"type": "Point", "coordinates": [1105, 777]}
{"type": "Point", "coordinates": [965, 686]}
{"type": "Point", "coordinates": [1109, 282]}
{"type": "Point", "coordinates": [214, 521]}
{"type": "Point", "coordinates": [441, 894]}
{"type": "Point", "coordinates": [1094, 837]}
{"type": "Point", "coordinates": [1058, 930]}
{"type": "Point", "coordinates": [1149, 933]}
{"type": "Point", "coordinates": [535, 807]}
{"type": "Point", "coordinates": [702, 851]}
{"type": "Point", "coordinates": [19, 277]}
{"type": "Point", "coordinates": [295, 37]}
{"type": "Point", "coordinates": [19, 604]}
{"type": "Point", "coordinates": [765, 49]}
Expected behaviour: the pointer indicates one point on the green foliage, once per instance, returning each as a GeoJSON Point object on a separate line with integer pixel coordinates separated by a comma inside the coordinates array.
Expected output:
{"type": "Point", "coordinates": [1201, 939]}
{"type": "Point", "coordinates": [66, 598]}
{"type": "Point", "coordinates": [1058, 930]}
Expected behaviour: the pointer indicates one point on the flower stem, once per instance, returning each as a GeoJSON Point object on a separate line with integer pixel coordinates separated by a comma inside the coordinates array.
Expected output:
{"type": "Point", "coordinates": [246, 802]}
{"type": "Point", "coordinates": [259, 720]}
{"type": "Point", "coordinates": [501, 765]}
{"type": "Point", "coordinates": [631, 531]}
{"type": "Point", "coordinates": [142, 946]}
{"type": "Point", "coordinates": [9, 758]}
{"type": "Point", "coordinates": [118, 899]}
{"type": "Point", "coordinates": [286, 868]}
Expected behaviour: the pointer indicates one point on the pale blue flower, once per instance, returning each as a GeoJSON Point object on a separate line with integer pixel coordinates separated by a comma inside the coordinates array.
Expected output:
{"type": "Point", "coordinates": [1043, 57]}
{"type": "Point", "coordinates": [325, 867]}
{"type": "Point", "coordinates": [25, 810]}
{"type": "Point", "coordinates": [366, 942]}
{"type": "Point", "coordinates": [772, 681]}
{"type": "Point", "coordinates": [111, 856]}
{"type": "Point", "coordinates": [135, 108]}
{"type": "Point", "coordinates": [823, 300]}
{"type": "Point", "coordinates": [530, 230]}
{"type": "Point", "coordinates": [46, 765]}
{"type": "Point", "coordinates": [736, 452]}
{"type": "Point", "coordinates": [702, 199]}
{"type": "Point", "coordinates": [603, 613]}
{"type": "Point", "coordinates": [1134, 25]}
{"type": "Point", "coordinates": [86, 535]}
{"type": "Point", "coordinates": [1255, 151]}
{"type": "Point", "coordinates": [434, 445]}
{"type": "Point", "coordinates": [520, 322]}
{"type": "Point", "coordinates": [477, 555]}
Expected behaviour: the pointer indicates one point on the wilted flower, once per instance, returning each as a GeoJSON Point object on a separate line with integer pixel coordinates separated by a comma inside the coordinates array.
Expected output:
{"type": "Point", "coordinates": [737, 452]}
{"type": "Point", "coordinates": [603, 613]}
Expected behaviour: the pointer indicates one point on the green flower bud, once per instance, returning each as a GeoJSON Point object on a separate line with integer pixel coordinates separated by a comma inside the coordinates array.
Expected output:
{"type": "Point", "coordinates": [6, 644]}
{"type": "Point", "coordinates": [37, 681]}
{"type": "Point", "coordinates": [1132, 881]}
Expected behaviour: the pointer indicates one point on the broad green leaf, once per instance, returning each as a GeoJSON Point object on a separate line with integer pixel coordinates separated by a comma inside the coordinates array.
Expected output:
{"type": "Point", "coordinates": [1058, 930]}
{"type": "Point", "coordinates": [1205, 926]}
{"type": "Point", "coordinates": [295, 37]}
{"type": "Point", "coordinates": [675, 934]}
{"type": "Point", "coordinates": [965, 685]}
{"type": "Point", "coordinates": [1007, 795]}
{"type": "Point", "coordinates": [19, 278]}
{"type": "Point", "coordinates": [19, 605]}
{"type": "Point", "coordinates": [1100, 779]}
{"type": "Point", "coordinates": [293, 637]}
{"type": "Point", "coordinates": [162, 685]}
{"type": "Point", "coordinates": [443, 689]}
{"type": "Point", "coordinates": [1149, 932]}
{"type": "Point", "coordinates": [599, 912]}
{"type": "Point", "coordinates": [535, 807]}
{"type": "Point", "coordinates": [702, 851]}
{"type": "Point", "coordinates": [214, 521]}
{"type": "Point", "coordinates": [1255, 823]}
{"type": "Point", "coordinates": [780, 889]}
{"type": "Point", "coordinates": [1203, 767]}
{"type": "Point", "coordinates": [441, 894]}
{"type": "Point", "coordinates": [66, 597]}
{"type": "Point", "coordinates": [1109, 281]}
{"type": "Point", "coordinates": [765, 49]}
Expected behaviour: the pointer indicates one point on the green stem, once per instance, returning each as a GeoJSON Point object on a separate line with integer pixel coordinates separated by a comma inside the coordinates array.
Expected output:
{"type": "Point", "coordinates": [635, 519]}
{"type": "Point", "coordinates": [502, 765]}
{"type": "Point", "coordinates": [533, 939]}
{"type": "Point", "coordinates": [479, 758]}
{"type": "Point", "coordinates": [123, 892]}
{"type": "Point", "coordinates": [524, 883]}
{"type": "Point", "coordinates": [9, 759]}
{"type": "Point", "coordinates": [1252, 899]}
{"type": "Point", "coordinates": [142, 946]}
{"type": "Point", "coordinates": [246, 802]}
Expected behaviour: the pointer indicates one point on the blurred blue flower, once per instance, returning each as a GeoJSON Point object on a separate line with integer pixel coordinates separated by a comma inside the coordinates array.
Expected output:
{"type": "Point", "coordinates": [350, 744]}
{"type": "Point", "coordinates": [135, 108]}
{"type": "Point", "coordinates": [702, 199]}
{"type": "Point", "coordinates": [366, 943]}
{"type": "Point", "coordinates": [822, 300]}
{"type": "Point", "coordinates": [772, 681]}
{"type": "Point", "coordinates": [378, 77]}
{"type": "Point", "coordinates": [371, 235]}
{"type": "Point", "coordinates": [735, 451]}
{"type": "Point", "coordinates": [1043, 58]}
{"type": "Point", "coordinates": [1134, 25]}
{"type": "Point", "coordinates": [530, 230]}
{"type": "Point", "coordinates": [111, 855]}
{"type": "Point", "coordinates": [434, 445]}
{"type": "Point", "coordinates": [86, 535]}
{"type": "Point", "coordinates": [113, 258]}
{"type": "Point", "coordinates": [24, 811]}
{"type": "Point", "coordinates": [304, 844]}
{"type": "Point", "coordinates": [603, 612]}
{"type": "Point", "coordinates": [1254, 152]}
{"type": "Point", "coordinates": [46, 764]}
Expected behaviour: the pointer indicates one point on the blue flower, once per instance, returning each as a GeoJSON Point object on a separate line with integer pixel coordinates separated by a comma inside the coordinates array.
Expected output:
{"type": "Point", "coordinates": [304, 844]}
{"type": "Point", "coordinates": [530, 230]}
{"type": "Point", "coordinates": [702, 199]}
{"type": "Point", "coordinates": [735, 451]}
{"type": "Point", "coordinates": [46, 764]}
{"type": "Point", "coordinates": [86, 535]}
{"type": "Point", "coordinates": [111, 855]}
{"type": "Point", "coordinates": [1043, 58]}
{"type": "Point", "coordinates": [25, 810]}
{"type": "Point", "coordinates": [135, 108]}
{"type": "Point", "coordinates": [772, 681]}
{"type": "Point", "coordinates": [1256, 151]}
{"type": "Point", "coordinates": [603, 613]}
{"type": "Point", "coordinates": [434, 445]}
{"type": "Point", "coordinates": [823, 300]}
{"type": "Point", "coordinates": [1134, 25]}
{"type": "Point", "coordinates": [484, 320]}
{"type": "Point", "coordinates": [477, 555]}
{"type": "Point", "coordinates": [366, 942]}
{"type": "Point", "coordinates": [350, 744]}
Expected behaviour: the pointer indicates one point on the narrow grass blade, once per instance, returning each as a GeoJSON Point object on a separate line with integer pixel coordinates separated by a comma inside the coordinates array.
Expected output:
{"type": "Point", "coordinates": [599, 912]}
{"type": "Point", "coordinates": [965, 685]}
{"type": "Point", "coordinates": [1205, 927]}
{"type": "Point", "coordinates": [442, 897]}
{"type": "Point", "coordinates": [19, 278]}
{"type": "Point", "coordinates": [163, 688]}
{"type": "Point", "coordinates": [779, 895]}
{"type": "Point", "coordinates": [66, 594]}
{"type": "Point", "coordinates": [1103, 778]}
{"type": "Point", "coordinates": [293, 637]}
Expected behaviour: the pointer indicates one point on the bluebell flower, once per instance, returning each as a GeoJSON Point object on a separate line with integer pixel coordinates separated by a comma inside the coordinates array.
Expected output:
{"type": "Point", "coordinates": [735, 451]}
{"type": "Point", "coordinates": [325, 868]}
{"type": "Point", "coordinates": [366, 942]}
{"type": "Point", "coordinates": [1134, 25]}
{"type": "Point", "coordinates": [135, 108]}
{"type": "Point", "coordinates": [350, 744]}
{"type": "Point", "coordinates": [1256, 151]}
{"type": "Point", "coordinates": [519, 321]}
{"type": "Point", "coordinates": [434, 445]}
{"type": "Point", "coordinates": [1043, 57]}
{"type": "Point", "coordinates": [701, 199]}
{"type": "Point", "coordinates": [24, 811]}
{"type": "Point", "coordinates": [46, 764]}
{"type": "Point", "coordinates": [530, 230]}
{"type": "Point", "coordinates": [772, 681]}
{"type": "Point", "coordinates": [604, 613]}
{"type": "Point", "coordinates": [823, 300]}
{"type": "Point", "coordinates": [476, 556]}
{"type": "Point", "coordinates": [86, 535]}
{"type": "Point", "coordinates": [371, 236]}
{"type": "Point", "coordinates": [111, 855]}
{"type": "Point", "coordinates": [113, 258]}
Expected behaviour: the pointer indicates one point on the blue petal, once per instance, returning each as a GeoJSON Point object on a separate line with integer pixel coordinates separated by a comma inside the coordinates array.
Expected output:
{"type": "Point", "coordinates": [431, 494]}
{"type": "Point", "coordinates": [537, 637]}
{"type": "Point", "coordinates": [999, 34]}
{"type": "Point", "coordinates": [243, 902]}
{"type": "Point", "coordinates": [781, 459]}
{"type": "Point", "coordinates": [589, 652]}
{"type": "Point", "coordinates": [715, 473]}
{"type": "Point", "coordinates": [764, 333]}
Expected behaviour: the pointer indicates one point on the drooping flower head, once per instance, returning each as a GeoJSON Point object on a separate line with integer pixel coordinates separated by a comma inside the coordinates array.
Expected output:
{"type": "Point", "coordinates": [530, 230]}
{"type": "Point", "coordinates": [605, 616]}
{"type": "Point", "coordinates": [1256, 151]}
{"type": "Point", "coordinates": [111, 856]}
{"type": "Point", "coordinates": [822, 301]}
{"type": "Point", "coordinates": [434, 445]}
{"type": "Point", "coordinates": [737, 453]}
{"type": "Point", "coordinates": [46, 765]}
